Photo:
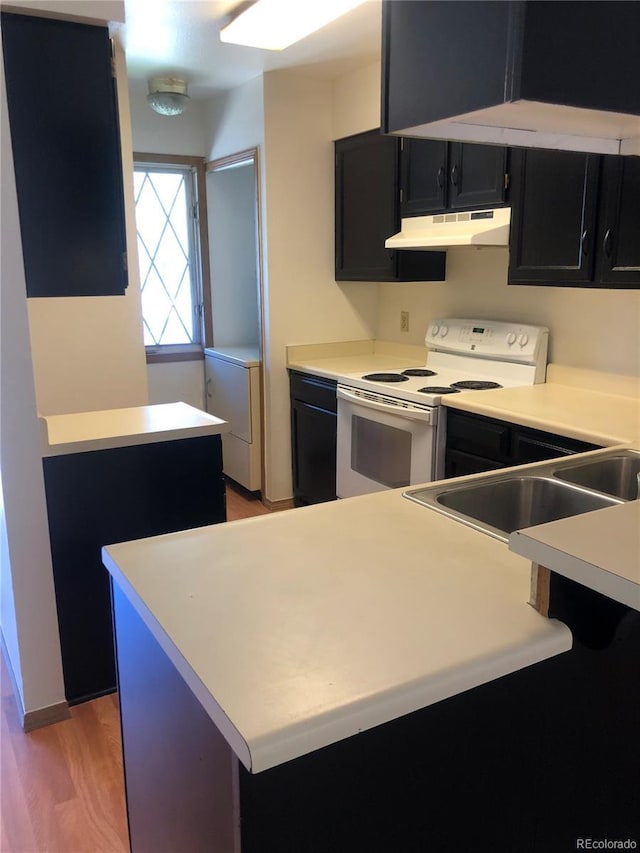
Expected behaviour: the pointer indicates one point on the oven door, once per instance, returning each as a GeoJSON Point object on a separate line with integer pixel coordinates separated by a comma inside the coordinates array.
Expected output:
{"type": "Point", "coordinates": [382, 443]}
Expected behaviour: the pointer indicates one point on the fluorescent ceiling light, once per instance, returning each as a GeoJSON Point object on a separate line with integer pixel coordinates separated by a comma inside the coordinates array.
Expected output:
{"type": "Point", "coordinates": [275, 24]}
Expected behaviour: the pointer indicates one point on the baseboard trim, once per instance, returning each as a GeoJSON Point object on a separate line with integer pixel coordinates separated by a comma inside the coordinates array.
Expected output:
{"type": "Point", "coordinates": [30, 720]}
{"type": "Point", "coordinates": [276, 506]}
{"type": "Point", "coordinates": [45, 716]}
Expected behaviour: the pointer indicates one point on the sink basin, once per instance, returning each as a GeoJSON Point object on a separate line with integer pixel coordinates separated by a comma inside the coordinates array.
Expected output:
{"type": "Point", "coordinates": [499, 506]}
{"type": "Point", "coordinates": [615, 475]}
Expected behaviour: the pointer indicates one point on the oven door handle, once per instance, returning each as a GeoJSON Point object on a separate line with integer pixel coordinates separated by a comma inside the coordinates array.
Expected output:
{"type": "Point", "coordinates": [426, 415]}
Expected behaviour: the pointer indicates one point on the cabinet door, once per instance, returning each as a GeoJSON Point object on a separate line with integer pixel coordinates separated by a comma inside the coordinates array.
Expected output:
{"type": "Point", "coordinates": [367, 195]}
{"type": "Point", "coordinates": [476, 175]}
{"type": "Point", "coordinates": [66, 151]}
{"type": "Point", "coordinates": [313, 437]}
{"type": "Point", "coordinates": [424, 176]}
{"type": "Point", "coordinates": [554, 197]}
{"type": "Point", "coordinates": [620, 222]}
{"type": "Point", "coordinates": [368, 211]}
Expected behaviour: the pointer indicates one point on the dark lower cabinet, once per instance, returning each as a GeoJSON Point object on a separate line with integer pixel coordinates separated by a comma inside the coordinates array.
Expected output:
{"type": "Point", "coordinates": [64, 126]}
{"type": "Point", "coordinates": [313, 438]}
{"type": "Point", "coordinates": [575, 219]}
{"type": "Point", "coordinates": [475, 443]}
{"type": "Point", "coordinates": [102, 497]}
{"type": "Point", "coordinates": [528, 763]}
{"type": "Point", "coordinates": [367, 211]}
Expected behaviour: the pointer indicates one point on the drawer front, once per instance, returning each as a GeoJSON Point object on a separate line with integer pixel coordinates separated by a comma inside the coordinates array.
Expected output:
{"type": "Point", "coordinates": [314, 390]}
{"type": "Point", "coordinates": [478, 436]}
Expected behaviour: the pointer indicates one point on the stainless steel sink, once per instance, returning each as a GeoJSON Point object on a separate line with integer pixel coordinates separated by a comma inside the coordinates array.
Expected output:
{"type": "Point", "coordinates": [615, 475]}
{"type": "Point", "coordinates": [498, 505]}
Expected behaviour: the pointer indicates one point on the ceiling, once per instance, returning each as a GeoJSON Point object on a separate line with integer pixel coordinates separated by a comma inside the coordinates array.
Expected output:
{"type": "Point", "coordinates": [181, 37]}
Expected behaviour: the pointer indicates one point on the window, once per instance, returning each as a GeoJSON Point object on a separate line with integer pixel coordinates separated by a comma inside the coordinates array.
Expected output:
{"type": "Point", "coordinates": [169, 255]}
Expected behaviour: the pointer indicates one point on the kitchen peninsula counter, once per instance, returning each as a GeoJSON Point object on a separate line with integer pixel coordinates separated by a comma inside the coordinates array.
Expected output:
{"type": "Point", "coordinates": [299, 629]}
{"type": "Point", "coordinates": [358, 658]}
{"type": "Point", "coordinates": [80, 432]}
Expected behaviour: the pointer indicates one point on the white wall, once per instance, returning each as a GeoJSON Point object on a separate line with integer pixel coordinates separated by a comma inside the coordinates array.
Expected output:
{"type": "Point", "coordinates": [27, 601]}
{"type": "Point", "coordinates": [174, 381]}
{"type": "Point", "coordinates": [231, 202]}
{"type": "Point", "coordinates": [303, 302]}
{"type": "Point", "coordinates": [356, 101]}
{"type": "Point", "coordinates": [591, 328]}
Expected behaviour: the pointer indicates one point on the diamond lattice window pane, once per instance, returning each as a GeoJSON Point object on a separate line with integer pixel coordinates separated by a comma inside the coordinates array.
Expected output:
{"type": "Point", "coordinates": [164, 230]}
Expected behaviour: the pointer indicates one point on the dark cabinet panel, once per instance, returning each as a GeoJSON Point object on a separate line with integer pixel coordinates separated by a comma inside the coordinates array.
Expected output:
{"type": "Point", "coordinates": [367, 211]}
{"type": "Point", "coordinates": [441, 59]}
{"type": "Point", "coordinates": [553, 222]}
{"type": "Point", "coordinates": [66, 151]}
{"type": "Point", "coordinates": [439, 176]}
{"type": "Point", "coordinates": [575, 219]}
{"type": "Point", "coordinates": [619, 230]}
{"type": "Point", "coordinates": [313, 438]}
{"type": "Point", "coordinates": [102, 497]}
{"type": "Point", "coordinates": [476, 175]}
{"type": "Point", "coordinates": [424, 176]}
{"type": "Point", "coordinates": [366, 187]}
{"type": "Point", "coordinates": [475, 443]}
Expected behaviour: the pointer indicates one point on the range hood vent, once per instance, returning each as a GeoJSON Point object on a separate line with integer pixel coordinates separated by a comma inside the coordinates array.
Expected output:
{"type": "Point", "coordinates": [446, 230]}
{"type": "Point", "coordinates": [556, 75]}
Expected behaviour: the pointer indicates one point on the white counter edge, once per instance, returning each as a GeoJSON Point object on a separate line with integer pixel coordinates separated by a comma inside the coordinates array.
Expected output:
{"type": "Point", "coordinates": [125, 428]}
{"type": "Point", "coordinates": [213, 709]}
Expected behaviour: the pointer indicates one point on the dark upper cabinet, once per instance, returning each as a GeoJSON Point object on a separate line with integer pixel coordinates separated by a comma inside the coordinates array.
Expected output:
{"type": "Point", "coordinates": [66, 150]}
{"type": "Point", "coordinates": [367, 211]}
{"type": "Point", "coordinates": [619, 226]}
{"type": "Point", "coordinates": [575, 219]}
{"type": "Point", "coordinates": [424, 176]}
{"type": "Point", "coordinates": [439, 176]}
{"type": "Point", "coordinates": [477, 175]}
{"type": "Point", "coordinates": [525, 71]}
{"type": "Point", "coordinates": [553, 216]}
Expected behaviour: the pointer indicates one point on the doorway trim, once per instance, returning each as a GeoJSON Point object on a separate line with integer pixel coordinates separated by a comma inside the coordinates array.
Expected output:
{"type": "Point", "coordinates": [249, 156]}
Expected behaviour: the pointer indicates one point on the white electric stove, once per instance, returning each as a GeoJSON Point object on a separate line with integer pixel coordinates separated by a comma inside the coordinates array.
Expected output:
{"type": "Point", "coordinates": [390, 430]}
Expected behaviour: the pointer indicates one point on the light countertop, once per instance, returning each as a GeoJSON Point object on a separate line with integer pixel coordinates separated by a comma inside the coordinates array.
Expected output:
{"type": "Point", "coordinates": [244, 356]}
{"type": "Point", "coordinates": [592, 416]}
{"type": "Point", "coordinates": [85, 431]}
{"type": "Point", "coordinates": [298, 629]}
{"type": "Point", "coordinates": [600, 550]}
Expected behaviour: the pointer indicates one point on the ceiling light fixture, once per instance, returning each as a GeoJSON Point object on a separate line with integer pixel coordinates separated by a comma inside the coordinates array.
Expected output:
{"type": "Point", "coordinates": [168, 95]}
{"type": "Point", "coordinates": [276, 24]}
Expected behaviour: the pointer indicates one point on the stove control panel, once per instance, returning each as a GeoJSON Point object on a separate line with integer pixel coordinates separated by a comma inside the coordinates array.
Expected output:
{"type": "Point", "coordinates": [495, 339]}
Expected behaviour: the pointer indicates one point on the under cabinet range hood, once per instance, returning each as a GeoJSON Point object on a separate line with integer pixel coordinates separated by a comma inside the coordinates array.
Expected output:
{"type": "Point", "coordinates": [446, 230]}
{"type": "Point", "coordinates": [555, 74]}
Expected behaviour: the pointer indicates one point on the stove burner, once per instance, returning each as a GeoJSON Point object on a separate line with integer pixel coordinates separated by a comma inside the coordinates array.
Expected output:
{"type": "Point", "coordinates": [438, 389]}
{"type": "Point", "coordinates": [475, 385]}
{"type": "Point", "coordinates": [418, 371]}
{"type": "Point", "coordinates": [386, 377]}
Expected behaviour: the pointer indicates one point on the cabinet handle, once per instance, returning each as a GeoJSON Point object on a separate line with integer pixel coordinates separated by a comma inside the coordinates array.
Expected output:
{"type": "Point", "coordinates": [585, 242]}
{"type": "Point", "coordinates": [454, 175]}
{"type": "Point", "coordinates": [440, 177]}
{"type": "Point", "coordinates": [208, 387]}
{"type": "Point", "coordinates": [606, 243]}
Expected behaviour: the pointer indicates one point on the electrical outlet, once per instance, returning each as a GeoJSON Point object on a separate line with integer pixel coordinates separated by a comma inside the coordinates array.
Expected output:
{"type": "Point", "coordinates": [404, 321]}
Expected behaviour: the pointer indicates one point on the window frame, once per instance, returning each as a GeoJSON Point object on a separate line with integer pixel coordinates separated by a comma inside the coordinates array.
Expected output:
{"type": "Point", "coordinates": [195, 351]}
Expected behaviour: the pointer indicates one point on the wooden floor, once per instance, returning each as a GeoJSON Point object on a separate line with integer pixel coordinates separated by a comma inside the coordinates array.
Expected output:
{"type": "Point", "coordinates": [61, 787]}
